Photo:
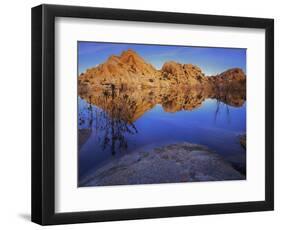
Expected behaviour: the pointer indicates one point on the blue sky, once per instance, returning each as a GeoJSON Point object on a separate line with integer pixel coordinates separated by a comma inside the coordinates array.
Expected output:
{"type": "Point", "coordinates": [210, 60]}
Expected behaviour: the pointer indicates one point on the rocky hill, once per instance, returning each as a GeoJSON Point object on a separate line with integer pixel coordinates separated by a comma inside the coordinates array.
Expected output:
{"type": "Point", "coordinates": [234, 78]}
{"type": "Point", "coordinates": [129, 70]}
{"type": "Point", "coordinates": [126, 70]}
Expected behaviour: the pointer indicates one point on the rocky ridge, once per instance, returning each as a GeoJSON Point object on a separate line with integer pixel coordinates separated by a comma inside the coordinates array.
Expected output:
{"type": "Point", "coordinates": [129, 70]}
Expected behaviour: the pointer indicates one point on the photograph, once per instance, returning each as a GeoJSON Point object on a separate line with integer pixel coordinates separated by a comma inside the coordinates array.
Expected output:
{"type": "Point", "coordinates": [141, 114]}
{"type": "Point", "coordinates": [157, 113]}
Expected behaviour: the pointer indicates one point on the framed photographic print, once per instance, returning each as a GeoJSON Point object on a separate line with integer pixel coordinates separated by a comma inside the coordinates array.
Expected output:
{"type": "Point", "coordinates": [142, 114]}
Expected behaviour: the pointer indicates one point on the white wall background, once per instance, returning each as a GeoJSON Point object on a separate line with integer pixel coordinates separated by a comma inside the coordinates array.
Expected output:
{"type": "Point", "coordinates": [15, 114]}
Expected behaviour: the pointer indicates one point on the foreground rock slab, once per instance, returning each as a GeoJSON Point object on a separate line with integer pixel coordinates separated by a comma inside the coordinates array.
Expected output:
{"type": "Point", "coordinates": [181, 162]}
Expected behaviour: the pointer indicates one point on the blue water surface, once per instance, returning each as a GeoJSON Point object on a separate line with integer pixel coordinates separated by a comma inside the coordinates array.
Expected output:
{"type": "Point", "coordinates": [214, 124]}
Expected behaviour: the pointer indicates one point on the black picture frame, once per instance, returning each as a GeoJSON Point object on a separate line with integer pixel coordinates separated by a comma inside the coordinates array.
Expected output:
{"type": "Point", "coordinates": [43, 114]}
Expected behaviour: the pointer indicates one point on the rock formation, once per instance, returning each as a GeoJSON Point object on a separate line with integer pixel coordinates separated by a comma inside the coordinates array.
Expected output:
{"type": "Point", "coordinates": [129, 70]}
{"type": "Point", "coordinates": [183, 74]}
{"type": "Point", "coordinates": [126, 70]}
{"type": "Point", "coordinates": [180, 162]}
{"type": "Point", "coordinates": [233, 79]}
{"type": "Point", "coordinates": [114, 86]}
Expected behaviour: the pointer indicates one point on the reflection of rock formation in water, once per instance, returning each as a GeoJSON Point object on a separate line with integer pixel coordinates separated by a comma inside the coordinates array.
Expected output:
{"type": "Point", "coordinates": [182, 162]}
{"type": "Point", "coordinates": [129, 105]}
{"type": "Point", "coordinates": [111, 124]}
{"type": "Point", "coordinates": [113, 129]}
{"type": "Point", "coordinates": [85, 121]}
{"type": "Point", "coordinates": [83, 136]}
{"type": "Point", "coordinates": [243, 140]}
{"type": "Point", "coordinates": [119, 109]}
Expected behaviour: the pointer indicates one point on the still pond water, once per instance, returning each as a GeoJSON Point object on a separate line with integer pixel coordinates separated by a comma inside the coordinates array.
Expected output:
{"type": "Point", "coordinates": [113, 124]}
